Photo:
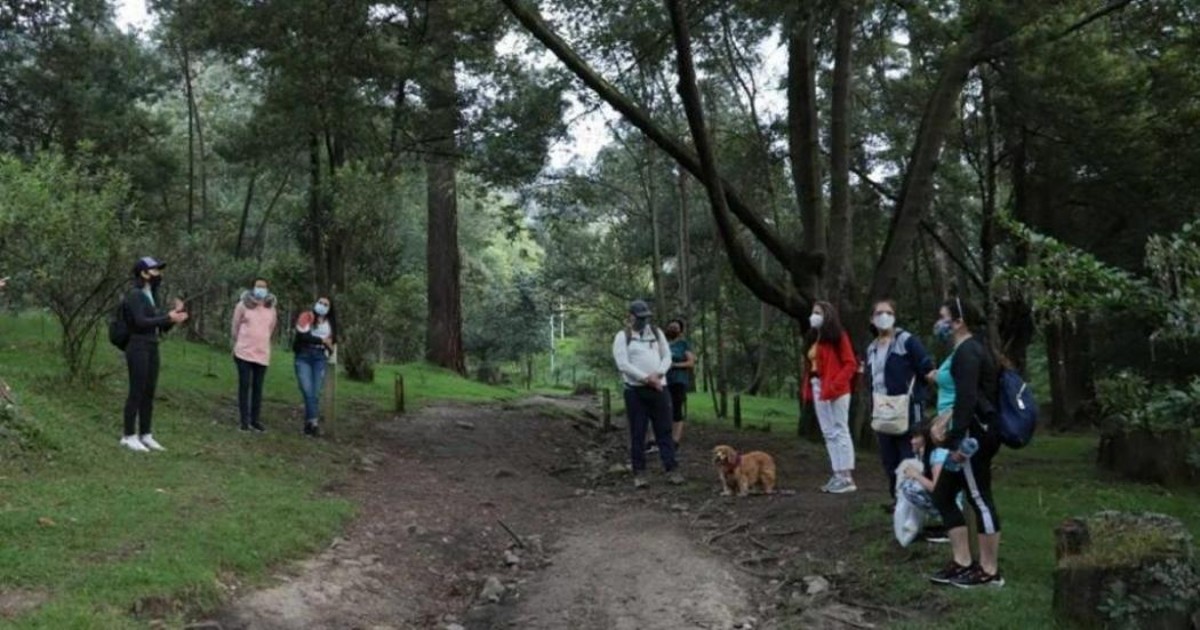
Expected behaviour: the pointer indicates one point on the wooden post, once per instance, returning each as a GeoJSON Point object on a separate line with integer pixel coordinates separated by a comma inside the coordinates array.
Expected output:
{"type": "Point", "coordinates": [606, 394]}
{"type": "Point", "coordinates": [737, 411]}
{"type": "Point", "coordinates": [399, 393]}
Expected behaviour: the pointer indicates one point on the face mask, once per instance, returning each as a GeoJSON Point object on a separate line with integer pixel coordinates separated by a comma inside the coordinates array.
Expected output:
{"type": "Point", "coordinates": [815, 320]}
{"type": "Point", "coordinates": [640, 323]}
{"type": "Point", "coordinates": [260, 293]}
{"type": "Point", "coordinates": [321, 309]}
{"type": "Point", "coordinates": [155, 281]}
{"type": "Point", "coordinates": [884, 321]}
{"type": "Point", "coordinates": [943, 330]}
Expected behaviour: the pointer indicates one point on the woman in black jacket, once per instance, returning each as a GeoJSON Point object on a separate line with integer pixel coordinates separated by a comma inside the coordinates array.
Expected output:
{"type": "Point", "coordinates": [973, 375]}
{"type": "Point", "coordinates": [147, 321]}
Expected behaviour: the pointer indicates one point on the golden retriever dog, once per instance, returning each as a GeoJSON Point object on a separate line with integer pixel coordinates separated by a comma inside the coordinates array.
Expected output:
{"type": "Point", "coordinates": [743, 470]}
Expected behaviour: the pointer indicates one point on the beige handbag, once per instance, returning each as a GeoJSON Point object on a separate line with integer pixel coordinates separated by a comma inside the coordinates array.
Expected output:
{"type": "Point", "coordinates": [890, 414]}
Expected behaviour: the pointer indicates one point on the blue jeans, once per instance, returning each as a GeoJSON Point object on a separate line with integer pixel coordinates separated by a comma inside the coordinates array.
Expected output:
{"type": "Point", "coordinates": [648, 407]}
{"type": "Point", "coordinates": [310, 374]}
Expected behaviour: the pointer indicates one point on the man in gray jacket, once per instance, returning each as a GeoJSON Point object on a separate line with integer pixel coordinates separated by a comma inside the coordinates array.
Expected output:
{"type": "Point", "coordinates": [643, 358]}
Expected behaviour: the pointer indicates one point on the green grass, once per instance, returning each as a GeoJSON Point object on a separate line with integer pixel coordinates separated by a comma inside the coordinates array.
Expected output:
{"type": "Point", "coordinates": [1036, 489]}
{"type": "Point", "coordinates": [97, 529]}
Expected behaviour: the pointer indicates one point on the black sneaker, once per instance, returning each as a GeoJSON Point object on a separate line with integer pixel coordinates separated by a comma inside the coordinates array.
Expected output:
{"type": "Point", "coordinates": [977, 577]}
{"type": "Point", "coordinates": [257, 426]}
{"type": "Point", "coordinates": [949, 572]}
{"type": "Point", "coordinates": [311, 430]}
{"type": "Point", "coordinates": [245, 427]}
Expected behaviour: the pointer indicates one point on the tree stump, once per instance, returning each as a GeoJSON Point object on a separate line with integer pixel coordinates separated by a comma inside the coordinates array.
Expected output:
{"type": "Point", "coordinates": [1148, 456]}
{"type": "Point", "coordinates": [1122, 570]}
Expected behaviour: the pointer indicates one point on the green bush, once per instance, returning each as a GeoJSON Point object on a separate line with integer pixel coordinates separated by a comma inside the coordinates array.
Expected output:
{"type": "Point", "coordinates": [1130, 402]}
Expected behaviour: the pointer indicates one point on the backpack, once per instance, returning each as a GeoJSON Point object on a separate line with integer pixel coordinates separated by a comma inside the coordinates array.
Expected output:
{"type": "Point", "coordinates": [1018, 412]}
{"type": "Point", "coordinates": [118, 325]}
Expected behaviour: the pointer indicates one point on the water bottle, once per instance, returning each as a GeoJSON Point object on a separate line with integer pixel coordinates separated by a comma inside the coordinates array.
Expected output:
{"type": "Point", "coordinates": [967, 447]}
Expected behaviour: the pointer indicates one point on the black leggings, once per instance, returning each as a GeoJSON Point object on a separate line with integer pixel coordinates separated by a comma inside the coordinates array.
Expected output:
{"type": "Point", "coordinates": [141, 356]}
{"type": "Point", "coordinates": [975, 480]}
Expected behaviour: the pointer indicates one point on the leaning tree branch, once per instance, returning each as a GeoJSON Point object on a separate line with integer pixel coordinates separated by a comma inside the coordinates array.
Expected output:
{"type": "Point", "coordinates": [788, 256]}
{"type": "Point", "coordinates": [743, 265]}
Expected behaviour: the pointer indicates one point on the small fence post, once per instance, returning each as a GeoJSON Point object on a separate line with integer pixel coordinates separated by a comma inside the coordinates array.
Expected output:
{"type": "Point", "coordinates": [607, 400]}
{"type": "Point", "coordinates": [399, 393]}
{"type": "Point", "coordinates": [737, 411]}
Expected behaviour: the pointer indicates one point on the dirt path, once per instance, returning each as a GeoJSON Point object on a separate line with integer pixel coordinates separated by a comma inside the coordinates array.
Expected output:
{"type": "Point", "coordinates": [438, 489]}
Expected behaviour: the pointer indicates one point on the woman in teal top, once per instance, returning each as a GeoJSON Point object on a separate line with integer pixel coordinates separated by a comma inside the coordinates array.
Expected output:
{"type": "Point", "coordinates": [945, 386]}
{"type": "Point", "coordinates": [679, 376]}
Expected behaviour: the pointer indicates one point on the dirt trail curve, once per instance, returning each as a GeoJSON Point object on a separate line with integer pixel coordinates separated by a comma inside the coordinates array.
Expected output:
{"type": "Point", "coordinates": [429, 548]}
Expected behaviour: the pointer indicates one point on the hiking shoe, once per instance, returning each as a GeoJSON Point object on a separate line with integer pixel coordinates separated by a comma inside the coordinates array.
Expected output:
{"type": "Point", "coordinates": [949, 572]}
{"type": "Point", "coordinates": [676, 478]}
{"type": "Point", "coordinates": [976, 577]}
{"type": "Point", "coordinates": [149, 442]}
{"type": "Point", "coordinates": [245, 427]}
{"type": "Point", "coordinates": [257, 426]}
{"type": "Point", "coordinates": [311, 430]}
{"type": "Point", "coordinates": [639, 481]}
{"type": "Point", "coordinates": [651, 448]}
{"type": "Point", "coordinates": [829, 484]}
{"type": "Point", "coordinates": [132, 443]}
{"type": "Point", "coordinates": [841, 486]}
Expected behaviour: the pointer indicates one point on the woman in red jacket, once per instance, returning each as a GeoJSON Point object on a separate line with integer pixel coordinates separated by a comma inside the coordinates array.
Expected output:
{"type": "Point", "coordinates": [828, 374]}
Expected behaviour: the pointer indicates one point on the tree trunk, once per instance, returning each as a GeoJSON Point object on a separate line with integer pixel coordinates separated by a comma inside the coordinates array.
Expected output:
{"type": "Point", "coordinates": [241, 237]}
{"type": "Point", "coordinates": [316, 217]}
{"type": "Point", "coordinates": [841, 220]}
{"type": "Point", "coordinates": [803, 142]}
{"type": "Point", "coordinates": [685, 253]}
{"type": "Point", "coordinates": [660, 293]}
{"type": "Point", "coordinates": [917, 190]}
{"type": "Point", "coordinates": [1070, 374]}
{"type": "Point", "coordinates": [185, 63]}
{"type": "Point", "coordinates": [443, 338]}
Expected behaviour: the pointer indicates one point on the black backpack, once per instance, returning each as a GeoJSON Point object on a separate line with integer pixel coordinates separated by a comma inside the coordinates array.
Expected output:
{"type": "Point", "coordinates": [118, 325]}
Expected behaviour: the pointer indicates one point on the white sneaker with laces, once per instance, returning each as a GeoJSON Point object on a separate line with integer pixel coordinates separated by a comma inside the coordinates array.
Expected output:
{"type": "Point", "coordinates": [132, 443]}
{"type": "Point", "coordinates": [149, 442]}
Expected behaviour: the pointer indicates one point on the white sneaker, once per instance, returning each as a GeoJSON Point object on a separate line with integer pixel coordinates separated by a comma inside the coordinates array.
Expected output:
{"type": "Point", "coordinates": [132, 443]}
{"type": "Point", "coordinates": [149, 442]}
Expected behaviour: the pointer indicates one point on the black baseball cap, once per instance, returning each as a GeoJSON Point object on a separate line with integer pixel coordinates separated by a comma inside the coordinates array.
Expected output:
{"type": "Point", "coordinates": [639, 308]}
{"type": "Point", "coordinates": [147, 263]}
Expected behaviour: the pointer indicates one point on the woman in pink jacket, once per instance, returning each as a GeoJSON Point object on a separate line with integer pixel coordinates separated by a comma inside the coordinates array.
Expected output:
{"type": "Point", "coordinates": [254, 320]}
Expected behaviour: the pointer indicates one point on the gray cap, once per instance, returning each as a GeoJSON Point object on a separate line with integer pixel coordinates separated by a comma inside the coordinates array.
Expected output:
{"type": "Point", "coordinates": [639, 308]}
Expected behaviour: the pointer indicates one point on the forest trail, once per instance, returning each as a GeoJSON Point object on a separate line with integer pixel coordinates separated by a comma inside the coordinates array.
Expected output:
{"type": "Point", "coordinates": [446, 493]}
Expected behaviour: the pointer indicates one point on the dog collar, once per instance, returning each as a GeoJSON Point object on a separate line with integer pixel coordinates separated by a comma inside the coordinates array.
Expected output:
{"type": "Point", "coordinates": [732, 465]}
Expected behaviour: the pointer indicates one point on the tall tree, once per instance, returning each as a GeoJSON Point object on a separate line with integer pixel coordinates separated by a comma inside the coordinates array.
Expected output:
{"type": "Point", "coordinates": [443, 331]}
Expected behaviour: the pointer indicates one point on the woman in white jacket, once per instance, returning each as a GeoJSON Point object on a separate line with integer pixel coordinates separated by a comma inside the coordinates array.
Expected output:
{"type": "Point", "coordinates": [643, 358]}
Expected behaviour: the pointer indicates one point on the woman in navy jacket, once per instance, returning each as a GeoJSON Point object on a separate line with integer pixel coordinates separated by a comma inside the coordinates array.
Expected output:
{"type": "Point", "coordinates": [895, 362]}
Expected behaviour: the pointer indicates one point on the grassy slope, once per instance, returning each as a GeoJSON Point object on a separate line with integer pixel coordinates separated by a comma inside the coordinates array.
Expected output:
{"type": "Point", "coordinates": [129, 527]}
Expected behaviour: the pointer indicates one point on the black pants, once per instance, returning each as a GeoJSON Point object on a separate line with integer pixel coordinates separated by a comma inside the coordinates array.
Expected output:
{"type": "Point", "coordinates": [975, 480]}
{"type": "Point", "coordinates": [141, 356]}
{"type": "Point", "coordinates": [649, 409]}
{"type": "Point", "coordinates": [250, 390]}
{"type": "Point", "coordinates": [678, 401]}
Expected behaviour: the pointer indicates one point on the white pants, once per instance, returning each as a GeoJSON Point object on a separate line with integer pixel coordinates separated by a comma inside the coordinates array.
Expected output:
{"type": "Point", "coordinates": [834, 416]}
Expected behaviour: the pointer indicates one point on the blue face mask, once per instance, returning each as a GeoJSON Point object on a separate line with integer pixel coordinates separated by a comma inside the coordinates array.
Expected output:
{"type": "Point", "coordinates": [943, 330]}
{"type": "Point", "coordinates": [321, 309]}
{"type": "Point", "coordinates": [259, 293]}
